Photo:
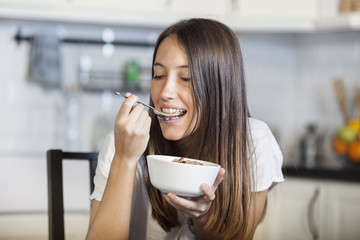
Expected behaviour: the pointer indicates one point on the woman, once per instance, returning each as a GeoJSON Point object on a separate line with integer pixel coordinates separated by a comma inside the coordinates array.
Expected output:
{"type": "Point", "coordinates": [197, 70]}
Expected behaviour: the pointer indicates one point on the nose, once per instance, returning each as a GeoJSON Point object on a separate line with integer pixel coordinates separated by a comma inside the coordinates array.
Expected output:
{"type": "Point", "coordinates": [169, 88]}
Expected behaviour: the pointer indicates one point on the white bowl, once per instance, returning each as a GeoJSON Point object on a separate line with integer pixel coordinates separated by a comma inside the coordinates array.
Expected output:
{"type": "Point", "coordinates": [180, 178]}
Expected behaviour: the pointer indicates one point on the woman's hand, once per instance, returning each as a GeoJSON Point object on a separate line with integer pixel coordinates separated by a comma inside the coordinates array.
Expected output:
{"type": "Point", "coordinates": [196, 207]}
{"type": "Point", "coordinates": [131, 129]}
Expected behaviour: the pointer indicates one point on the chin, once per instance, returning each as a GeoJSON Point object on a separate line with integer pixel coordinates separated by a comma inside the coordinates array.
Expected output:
{"type": "Point", "coordinates": [172, 136]}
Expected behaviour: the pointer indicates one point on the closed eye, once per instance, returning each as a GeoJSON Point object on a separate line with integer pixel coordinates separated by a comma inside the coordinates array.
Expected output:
{"type": "Point", "coordinates": [185, 79]}
{"type": "Point", "coordinates": [157, 77]}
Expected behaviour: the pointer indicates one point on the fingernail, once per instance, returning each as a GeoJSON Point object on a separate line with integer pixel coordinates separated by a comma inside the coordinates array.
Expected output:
{"type": "Point", "coordinates": [204, 187]}
{"type": "Point", "coordinates": [171, 196]}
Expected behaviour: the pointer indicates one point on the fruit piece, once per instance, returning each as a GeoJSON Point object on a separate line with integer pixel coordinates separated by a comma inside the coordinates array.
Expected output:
{"type": "Point", "coordinates": [339, 146]}
{"type": "Point", "coordinates": [355, 124]}
{"type": "Point", "coordinates": [347, 134]}
{"type": "Point", "coordinates": [354, 151]}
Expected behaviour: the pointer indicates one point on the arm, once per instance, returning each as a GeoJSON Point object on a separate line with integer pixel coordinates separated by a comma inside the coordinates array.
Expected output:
{"type": "Point", "coordinates": [110, 218]}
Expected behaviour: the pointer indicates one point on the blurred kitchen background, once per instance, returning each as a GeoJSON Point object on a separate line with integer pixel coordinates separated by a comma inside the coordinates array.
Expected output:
{"type": "Point", "coordinates": [61, 61]}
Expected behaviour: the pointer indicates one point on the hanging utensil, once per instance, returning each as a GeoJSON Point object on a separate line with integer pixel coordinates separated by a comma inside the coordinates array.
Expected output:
{"type": "Point", "coordinates": [341, 98]}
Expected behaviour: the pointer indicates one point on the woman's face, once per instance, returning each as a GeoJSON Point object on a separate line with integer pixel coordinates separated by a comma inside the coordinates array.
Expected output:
{"type": "Point", "coordinates": [170, 89]}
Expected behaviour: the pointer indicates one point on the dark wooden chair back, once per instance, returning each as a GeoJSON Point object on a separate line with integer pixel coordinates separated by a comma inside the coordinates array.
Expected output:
{"type": "Point", "coordinates": [55, 158]}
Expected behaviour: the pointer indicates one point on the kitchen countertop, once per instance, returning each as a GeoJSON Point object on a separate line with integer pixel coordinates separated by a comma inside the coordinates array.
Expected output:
{"type": "Point", "coordinates": [346, 173]}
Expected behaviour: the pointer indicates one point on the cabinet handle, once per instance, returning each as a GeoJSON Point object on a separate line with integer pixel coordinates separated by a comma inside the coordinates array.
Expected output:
{"type": "Point", "coordinates": [310, 215]}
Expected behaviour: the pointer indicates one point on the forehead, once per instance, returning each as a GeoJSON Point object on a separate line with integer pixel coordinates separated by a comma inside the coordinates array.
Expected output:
{"type": "Point", "coordinates": [171, 52]}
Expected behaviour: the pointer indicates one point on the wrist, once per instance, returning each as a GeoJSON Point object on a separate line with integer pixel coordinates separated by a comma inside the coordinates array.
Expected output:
{"type": "Point", "coordinates": [124, 161]}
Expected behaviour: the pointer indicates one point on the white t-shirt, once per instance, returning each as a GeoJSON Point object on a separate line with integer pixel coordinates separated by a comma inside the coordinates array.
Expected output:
{"type": "Point", "coordinates": [143, 226]}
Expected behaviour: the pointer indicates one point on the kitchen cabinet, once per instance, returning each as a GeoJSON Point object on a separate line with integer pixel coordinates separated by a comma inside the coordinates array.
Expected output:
{"type": "Point", "coordinates": [200, 7]}
{"type": "Point", "coordinates": [155, 13]}
{"type": "Point", "coordinates": [312, 209]}
{"type": "Point", "coordinates": [28, 3]}
{"type": "Point", "coordinates": [241, 15]}
{"type": "Point", "coordinates": [274, 15]}
{"type": "Point", "coordinates": [213, 7]}
{"type": "Point", "coordinates": [306, 9]}
{"type": "Point", "coordinates": [344, 211]}
{"type": "Point", "coordinates": [112, 6]}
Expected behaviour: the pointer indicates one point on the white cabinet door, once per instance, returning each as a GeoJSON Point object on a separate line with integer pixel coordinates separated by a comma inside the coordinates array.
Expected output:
{"type": "Point", "coordinates": [344, 211]}
{"type": "Point", "coordinates": [183, 7]}
{"type": "Point", "coordinates": [199, 8]}
{"type": "Point", "coordinates": [133, 6]}
{"type": "Point", "coordinates": [30, 3]}
{"type": "Point", "coordinates": [140, 12]}
{"type": "Point", "coordinates": [278, 8]}
{"type": "Point", "coordinates": [301, 209]}
{"type": "Point", "coordinates": [293, 207]}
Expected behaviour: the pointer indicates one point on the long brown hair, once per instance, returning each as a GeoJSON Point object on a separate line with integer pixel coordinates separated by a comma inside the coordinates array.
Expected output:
{"type": "Point", "coordinates": [218, 89]}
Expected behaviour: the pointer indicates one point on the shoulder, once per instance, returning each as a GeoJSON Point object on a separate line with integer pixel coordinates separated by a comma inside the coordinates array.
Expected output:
{"type": "Point", "coordinates": [266, 154]}
{"type": "Point", "coordinates": [259, 129]}
{"type": "Point", "coordinates": [261, 136]}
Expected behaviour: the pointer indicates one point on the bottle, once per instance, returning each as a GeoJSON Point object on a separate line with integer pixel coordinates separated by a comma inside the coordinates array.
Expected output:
{"type": "Point", "coordinates": [310, 147]}
{"type": "Point", "coordinates": [132, 72]}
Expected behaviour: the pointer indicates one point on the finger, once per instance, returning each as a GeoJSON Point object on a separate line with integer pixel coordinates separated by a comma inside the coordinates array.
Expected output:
{"type": "Point", "coordinates": [147, 124]}
{"type": "Point", "coordinates": [142, 119]}
{"type": "Point", "coordinates": [179, 202]}
{"type": "Point", "coordinates": [209, 193]}
{"type": "Point", "coordinates": [219, 178]}
{"type": "Point", "coordinates": [127, 105]}
{"type": "Point", "coordinates": [136, 113]}
{"type": "Point", "coordinates": [186, 207]}
{"type": "Point", "coordinates": [194, 205]}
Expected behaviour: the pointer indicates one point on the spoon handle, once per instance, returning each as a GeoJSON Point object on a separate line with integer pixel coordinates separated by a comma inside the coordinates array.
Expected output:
{"type": "Point", "coordinates": [156, 111]}
{"type": "Point", "coordinates": [159, 114]}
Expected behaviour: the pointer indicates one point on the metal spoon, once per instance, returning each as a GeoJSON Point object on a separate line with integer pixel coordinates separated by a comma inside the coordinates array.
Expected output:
{"type": "Point", "coordinates": [159, 114]}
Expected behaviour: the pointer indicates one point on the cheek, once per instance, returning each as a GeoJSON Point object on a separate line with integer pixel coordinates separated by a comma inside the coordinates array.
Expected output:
{"type": "Point", "coordinates": [191, 105]}
{"type": "Point", "coordinates": [194, 118]}
{"type": "Point", "coordinates": [195, 121]}
{"type": "Point", "coordinates": [154, 93]}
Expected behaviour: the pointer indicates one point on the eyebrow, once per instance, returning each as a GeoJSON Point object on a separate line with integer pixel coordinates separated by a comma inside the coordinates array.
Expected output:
{"type": "Point", "coordinates": [160, 65]}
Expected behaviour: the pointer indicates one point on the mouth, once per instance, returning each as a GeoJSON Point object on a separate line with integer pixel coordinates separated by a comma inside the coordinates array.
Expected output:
{"type": "Point", "coordinates": [173, 111]}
